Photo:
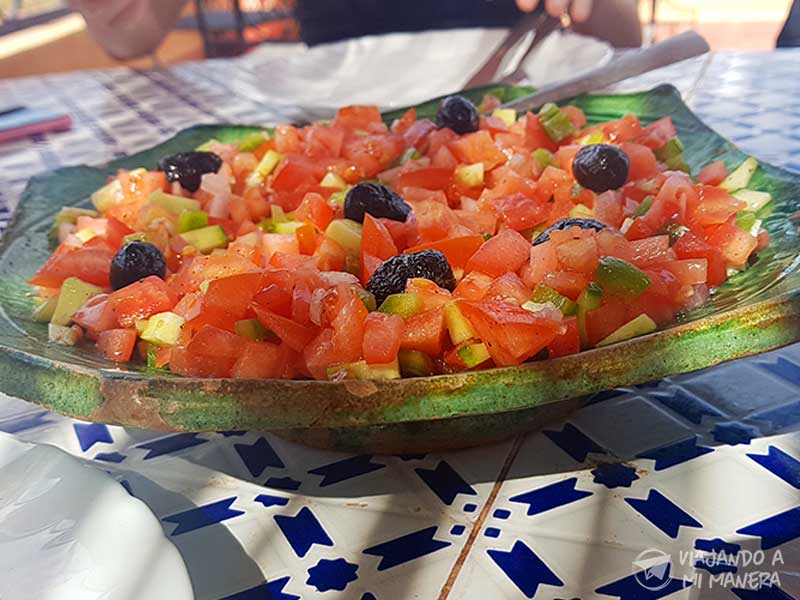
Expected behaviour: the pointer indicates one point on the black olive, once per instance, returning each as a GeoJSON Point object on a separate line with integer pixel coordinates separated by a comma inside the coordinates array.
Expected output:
{"type": "Point", "coordinates": [601, 167]}
{"type": "Point", "coordinates": [565, 224]}
{"type": "Point", "coordinates": [135, 261]}
{"type": "Point", "coordinates": [377, 200]}
{"type": "Point", "coordinates": [188, 167]}
{"type": "Point", "coordinates": [391, 276]}
{"type": "Point", "coordinates": [459, 114]}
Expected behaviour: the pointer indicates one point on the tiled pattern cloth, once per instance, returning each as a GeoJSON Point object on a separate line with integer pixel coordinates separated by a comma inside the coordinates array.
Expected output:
{"type": "Point", "coordinates": [697, 463]}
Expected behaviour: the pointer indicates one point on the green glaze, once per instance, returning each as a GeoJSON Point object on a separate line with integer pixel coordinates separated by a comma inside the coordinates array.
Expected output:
{"type": "Point", "coordinates": [756, 311]}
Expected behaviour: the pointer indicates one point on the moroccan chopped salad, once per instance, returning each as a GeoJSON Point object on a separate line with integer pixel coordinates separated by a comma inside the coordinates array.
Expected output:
{"type": "Point", "coordinates": [357, 249]}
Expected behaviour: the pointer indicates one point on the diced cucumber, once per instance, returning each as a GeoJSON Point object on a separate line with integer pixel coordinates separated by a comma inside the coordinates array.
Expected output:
{"type": "Point", "coordinates": [589, 300]}
{"type": "Point", "coordinates": [252, 329]}
{"type": "Point", "coordinates": [61, 334]}
{"type": "Point", "coordinates": [619, 277]}
{"type": "Point", "coordinates": [362, 370]}
{"type": "Point", "coordinates": [591, 139]}
{"type": "Point", "coordinates": [206, 239]}
{"type": "Point", "coordinates": [633, 328]}
{"type": "Point", "coordinates": [173, 203]}
{"type": "Point", "coordinates": [332, 180]}
{"type": "Point", "coordinates": [346, 233]}
{"type": "Point", "coordinates": [266, 166]}
{"type": "Point", "coordinates": [352, 264]}
{"type": "Point", "coordinates": [163, 329]}
{"type": "Point", "coordinates": [741, 176]}
{"type": "Point", "coordinates": [139, 236]}
{"type": "Point", "coordinates": [626, 224]}
{"type": "Point", "coordinates": [746, 219]}
{"type": "Point", "coordinates": [642, 209]}
{"type": "Point", "coordinates": [406, 305]}
{"type": "Point", "coordinates": [414, 363]}
{"type": "Point", "coordinates": [470, 175]}
{"type": "Point", "coordinates": [473, 354]}
{"type": "Point", "coordinates": [755, 200]}
{"type": "Point", "coordinates": [287, 226]}
{"type": "Point", "coordinates": [506, 115]}
{"type": "Point", "coordinates": [368, 298]}
{"type": "Point", "coordinates": [74, 294]}
{"type": "Point", "coordinates": [190, 220]}
{"type": "Point", "coordinates": [84, 235]}
{"type": "Point", "coordinates": [581, 211]}
{"type": "Point", "coordinates": [671, 154]}
{"type": "Point", "coordinates": [70, 214]}
{"type": "Point", "coordinates": [206, 146]}
{"type": "Point", "coordinates": [277, 215]}
{"type": "Point", "coordinates": [543, 157]}
{"type": "Point", "coordinates": [542, 294]}
{"type": "Point", "coordinates": [458, 325]}
{"type": "Point", "coordinates": [43, 308]}
{"type": "Point", "coordinates": [556, 123]}
{"type": "Point", "coordinates": [252, 141]}
{"type": "Point", "coordinates": [340, 196]}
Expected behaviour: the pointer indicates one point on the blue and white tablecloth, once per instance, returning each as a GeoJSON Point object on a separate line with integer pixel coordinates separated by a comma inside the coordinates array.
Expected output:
{"type": "Point", "coordinates": [687, 487]}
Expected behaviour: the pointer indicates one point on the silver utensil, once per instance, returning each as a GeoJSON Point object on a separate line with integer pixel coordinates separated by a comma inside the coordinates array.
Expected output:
{"type": "Point", "coordinates": [677, 48]}
{"type": "Point", "coordinates": [543, 31]}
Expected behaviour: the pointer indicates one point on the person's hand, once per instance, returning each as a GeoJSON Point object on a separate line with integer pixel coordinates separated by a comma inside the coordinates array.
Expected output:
{"type": "Point", "coordinates": [579, 10]}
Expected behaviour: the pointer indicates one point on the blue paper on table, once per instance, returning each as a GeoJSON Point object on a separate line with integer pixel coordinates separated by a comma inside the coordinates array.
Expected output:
{"type": "Point", "coordinates": [30, 121]}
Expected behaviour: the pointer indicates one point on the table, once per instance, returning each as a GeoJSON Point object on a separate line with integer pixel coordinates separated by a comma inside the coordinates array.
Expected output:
{"type": "Point", "coordinates": [685, 466]}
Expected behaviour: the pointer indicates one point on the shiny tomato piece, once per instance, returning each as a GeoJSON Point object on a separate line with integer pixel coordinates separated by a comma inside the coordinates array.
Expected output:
{"type": "Point", "coordinates": [642, 161]}
{"type": "Point", "coordinates": [603, 321]}
{"type": "Point", "coordinates": [115, 231]}
{"type": "Point", "coordinates": [293, 171]}
{"type": "Point", "coordinates": [567, 284]}
{"type": "Point", "coordinates": [382, 335]}
{"type": "Point", "coordinates": [715, 206]}
{"type": "Point", "coordinates": [648, 250]}
{"type": "Point", "coordinates": [474, 286]}
{"type": "Point", "coordinates": [434, 219]}
{"type": "Point", "coordinates": [324, 141]}
{"type": "Point", "coordinates": [626, 129]}
{"type": "Point", "coordinates": [206, 268]}
{"type": "Point", "coordinates": [671, 203]}
{"type": "Point", "coordinates": [429, 178]}
{"type": "Point", "coordinates": [692, 271]}
{"type": "Point", "coordinates": [576, 116]}
{"type": "Point", "coordinates": [478, 147]}
{"type": "Point", "coordinates": [259, 360]}
{"type": "Point", "coordinates": [691, 246]}
{"type": "Point", "coordinates": [212, 352]}
{"type": "Point", "coordinates": [95, 316]}
{"type": "Point", "coordinates": [330, 256]}
{"type": "Point", "coordinates": [348, 327]}
{"type": "Point", "coordinates": [505, 252]}
{"type": "Point", "coordinates": [713, 173]}
{"type": "Point", "coordinates": [306, 236]}
{"type": "Point", "coordinates": [401, 125]}
{"type": "Point", "coordinates": [543, 260]}
{"type": "Point", "coordinates": [319, 354]}
{"type": "Point", "coordinates": [141, 300]}
{"type": "Point", "coordinates": [608, 208]}
{"type": "Point", "coordinates": [431, 294]}
{"type": "Point", "coordinates": [535, 135]}
{"type": "Point", "coordinates": [89, 264]}
{"type": "Point", "coordinates": [373, 153]}
{"type": "Point", "coordinates": [364, 118]}
{"type": "Point", "coordinates": [511, 333]}
{"type": "Point", "coordinates": [557, 183]}
{"type": "Point", "coordinates": [520, 212]}
{"type": "Point", "coordinates": [279, 242]}
{"type": "Point", "coordinates": [287, 140]}
{"type": "Point", "coordinates": [658, 133]}
{"type": "Point", "coordinates": [568, 342]}
{"type": "Point", "coordinates": [233, 294]}
{"type": "Point", "coordinates": [377, 246]}
{"type": "Point", "coordinates": [734, 243]}
{"type": "Point", "coordinates": [295, 335]}
{"type": "Point", "coordinates": [579, 255]}
{"type": "Point", "coordinates": [458, 250]}
{"type": "Point", "coordinates": [565, 156]}
{"type": "Point", "coordinates": [509, 287]}
{"type": "Point", "coordinates": [117, 344]}
{"type": "Point", "coordinates": [315, 210]}
{"type": "Point", "coordinates": [424, 332]}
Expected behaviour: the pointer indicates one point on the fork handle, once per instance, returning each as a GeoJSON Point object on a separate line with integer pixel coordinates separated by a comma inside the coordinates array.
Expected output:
{"type": "Point", "coordinates": [677, 48]}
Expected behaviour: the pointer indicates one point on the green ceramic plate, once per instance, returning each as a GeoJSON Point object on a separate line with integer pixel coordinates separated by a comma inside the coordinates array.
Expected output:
{"type": "Point", "coordinates": [755, 311]}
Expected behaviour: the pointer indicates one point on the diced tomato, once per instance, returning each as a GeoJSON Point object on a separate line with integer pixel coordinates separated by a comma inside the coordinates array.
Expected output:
{"type": "Point", "coordinates": [382, 335]}
{"type": "Point", "coordinates": [478, 147]}
{"type": "Point", "coordinates": [713, 173]}
{"type": "Point", "coordinates": [543, 260]}
{"type": "Point", "coordinates": [233, 294]}
{"type": "Point", "coordinates": [364, 118]}
{"type": "Point", "coordinates": [377, 243]}
{"type": "Point", "coordinates": [691, 246]}
{"type": "Point", "coordinates": [715, 206]}
{"type": "Point", "coordinates": [505, 252]}
{"type": "Point", "coordinates": [89, 264]}
{"type": "Point", "coordinates": [287, 140]}
{"type": "Point", "coordinates": [474, 286]}
{"type": "Point", "coordinates": [535, 135]}
{"type": "Point", "coordinates": [323, 141]}
{"type": "Point", "coordinates": [648, 250]}
{"type": "Point", "coordinates": [658, 133]}
{"type": "Point", "coordinates": [117, 344]}
{"type": "Point", "coordinates": [206, 268]}
{"type": "Point", "coordinates": [295, 335]}
{"type": "Point", "coordinates": [578, 255]}
{"type": "Point", "coordinates": [642, 161]}
{"type": "Point", "coordinates": [259, 360]}
{"type": "Point", "coordinates": [458, 250]}
{"type": "Point", "coordinates": [689, 271]}
{"type": "Point", "coordinates": [424, 331]}
{"type": "Point", "coordinates": [279, 242]}
{"type": "Point", "coordinates": [95, 316]}
{"type": "Point", "coordinates": [315, 210]}
{"type": "Point", "coordinates": [431, 294]}
{"type": "Point", "coordinates": [401, 125]}
{"type": "Point", "coordinates": [626, 129]}
{"type": "Point", "coordinates": [212, 352]}
{"type": "Point", "coordinates": [567, 284]}
{"type": "Point", "coordinates": [141, 300]}
{"type": "Point", "coordinates": [429, 178]}
{"type": "Point", "coordinates": [512, 334]}
{"type": "Point", "coordinates": [293, 171]}
{"type": "Point", "coordinates": [520, 212]}
{"type": "Point", "coordinates": [568, 342]}
{"type": "Point", "coordinates": [373, 153]}
{"type": "Point", "coordinates": [608, 208]}
{"type": "Point", "coordinates": [603, 321]}
{"type": "Point", "coordinates": [348, 327]}
{"type": "Point", "coordinates": [306, 236]}
{"type": "Point", "coordinates": [735, 243]}
{"type": "Point", "coordinates": [576, 116]}
{"type": "Point", "coordinates": [509, 287]}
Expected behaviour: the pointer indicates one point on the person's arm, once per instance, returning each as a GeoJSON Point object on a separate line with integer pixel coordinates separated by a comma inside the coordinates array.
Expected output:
{"type": "Point", "coordinates": [614, 20]}
{"type": "Point", "coordinates": [129, 28]}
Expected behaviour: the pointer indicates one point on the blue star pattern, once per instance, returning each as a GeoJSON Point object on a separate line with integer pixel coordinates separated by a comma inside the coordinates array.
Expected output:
{"type": "Point", "coordinates": [524, 568]}
{"type": "Point", "coordinates": [614, 475]}
{"type": "Point", "coordinates": [775, 530]}
{"type": "Point", "coordinates": [574, 442]}
{"type": "Point", "coordinates": [171, 444]}
{"type": "Point", "coordinates": [26, 422]}
{"type": "Point", "coordinates": [690, 407]}
{"type": "Point", "coordinates": [781, 464]}
{"type": "Point", "coordinates": [283, 483]}
{"type": "Point", "coordinates": [765, 592]}
{"type": "Point", "coordinates": [675, 454]}
{"type": "Point", "coordinates": [203, 516]}
{"type": "Point", "coordinates": [258, 456]}
{"type": "Point", "coordinates": [114, 457]}
{"type": "Point", "coordinates": [90, 434]}
{"type": "Point", "coordinates": [268, 500]}
{"type": "Point", "coordinates": [346, 469]}
{"type": "Point", "coordinates": [636, 587]}
{"type": "Point", "coordinates": [734, 433]}
{"type": "Point", "coordinates": [445, 482]}
{"type": "Point", "coordinates": [303, 531]}
{"type": "Point", "coordinates": [405, 548]}
{"type": "Point", "coordinates": [716, 545]}
{"type": "Point", "coordinates": [663, 513]}
{"type": "Point", "coordinates": [272, 590]}
{"type": "Point", "coordinates": [332, 574]}
{"type": "Point", "coordinates": [551, 496]}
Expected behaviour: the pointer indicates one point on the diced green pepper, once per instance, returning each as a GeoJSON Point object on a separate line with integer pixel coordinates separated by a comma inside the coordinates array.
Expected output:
{"type": "Point", "coordinates": [252, 141]}
{"type": "Point", "coordinates": [746, 219]}
{"type": "Point", "coordinates": [368, 298]}
{"type": "Point", "coordinates": [206, 239]}
{"type": "Point", "coordinates": [619, 277]}
{"type": "Point", "coordinates": [589, 300]}
{"type": "Point", "coordinates": [543, 157]}
{"type": "Point", "coordinates": [190, 220]}
{"type": "Point", "coordinates": [74, 294]}
{"type": "Point", "coordinates": [340, 196]}
{"type": "Point", "coordinates": [543, 294]}
{"type": "Point", "coordinates": [266, 166]}
{"type": "Point", "coordinates": [740, 178]}
{"type": "Point", "coordinates": [671, 154]}
{"type": "Point", "coordinates": [406, 305]}
{"type": "Point", "coordinates": [43, 308]}
{"type": "Point", "coordinates": [473, 354]}
{"type": "Point", "coordinates": [590, 139]}
{"type": "Point", "coordinates": [163, 329]}
{"type": "Point", "coordinates": [641, 325]}
{"type": "Point", "coordinates": [458, 325]}
{"type": "Point", "coordinates": [556, 123]}
{"type": "Point", "coordinates": [642, 209]}
{"type": "Point", "coordinates": [414, 363]}
{"type": "Point", "coordinates": [173, 203]}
